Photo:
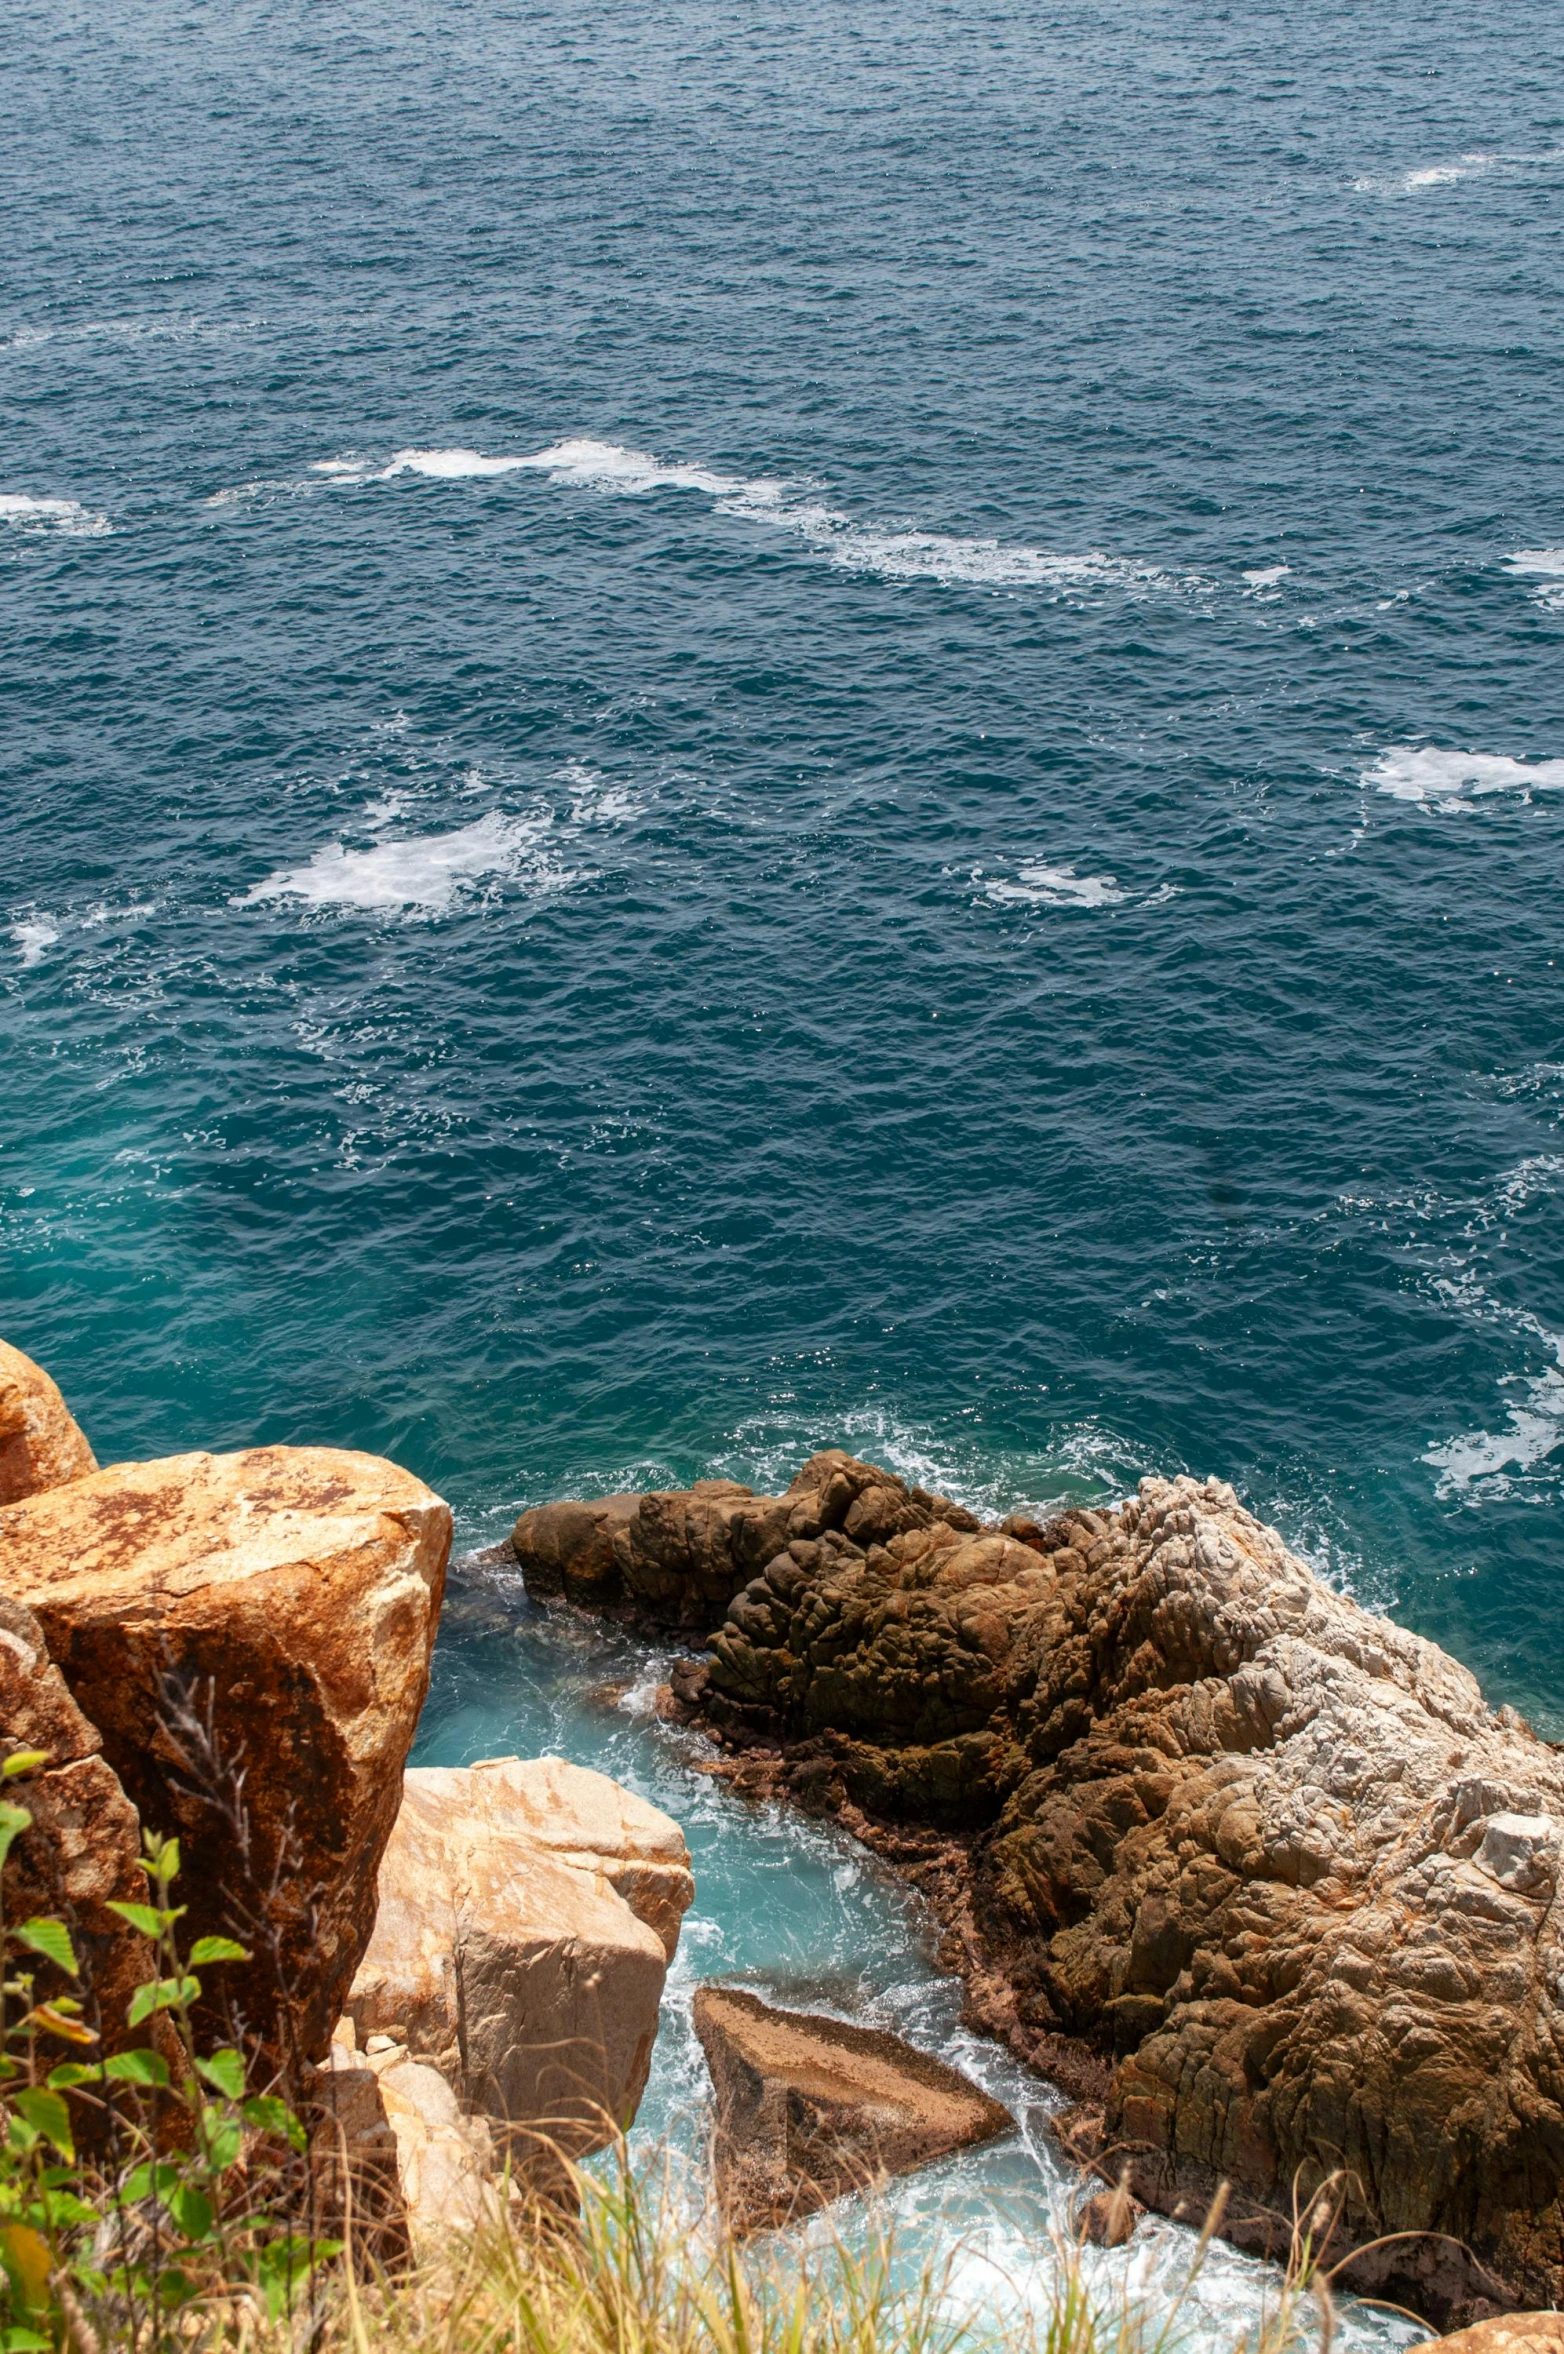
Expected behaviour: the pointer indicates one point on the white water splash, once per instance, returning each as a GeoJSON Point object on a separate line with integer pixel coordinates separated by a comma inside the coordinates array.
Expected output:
{"type": "Point", "coordinates": [891, 554]}
{"type": "Point", "coordinates": [1454, 782]}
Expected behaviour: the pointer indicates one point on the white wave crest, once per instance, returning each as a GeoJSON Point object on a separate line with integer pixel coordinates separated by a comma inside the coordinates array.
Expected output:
{"type": "Point", "coordinates": [33, 934]}
{"type": "Point", "coordinates": [901, 554]}
{"type": "Point", "coordinates": [1545, 566]}
{"type": "Point", "coordinates": [67, 516]}
{"type": "Point", "coordinates": [424, 871]}
{"type": "Point", "coordinates": [1455, 781]}
{"type": "Point", "coordinates": [1492, 1459]}
{"type": "Point", "coordinates": [1037, 885]}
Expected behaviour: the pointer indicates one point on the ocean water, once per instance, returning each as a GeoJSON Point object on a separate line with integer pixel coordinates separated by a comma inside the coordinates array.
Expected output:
{"type": "Point", "coordinates": [729, 731]}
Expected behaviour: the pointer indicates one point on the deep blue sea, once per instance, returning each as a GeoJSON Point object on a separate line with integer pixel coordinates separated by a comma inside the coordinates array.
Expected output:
{"type": "Point", "coordinates": [728, 729]}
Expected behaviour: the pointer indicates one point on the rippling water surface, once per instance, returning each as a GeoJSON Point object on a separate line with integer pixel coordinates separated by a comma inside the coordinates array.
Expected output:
{"type": "Point", "coordinates": [727, 731]}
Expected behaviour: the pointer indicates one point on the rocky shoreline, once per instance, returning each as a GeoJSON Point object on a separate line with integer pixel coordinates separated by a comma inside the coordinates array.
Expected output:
{"type": "Point", "coordinates": [1255, 1875]}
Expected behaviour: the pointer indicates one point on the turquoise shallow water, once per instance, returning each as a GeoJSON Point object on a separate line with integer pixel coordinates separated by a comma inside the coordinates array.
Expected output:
{"type": "Point", "coordinates": [725, 733]}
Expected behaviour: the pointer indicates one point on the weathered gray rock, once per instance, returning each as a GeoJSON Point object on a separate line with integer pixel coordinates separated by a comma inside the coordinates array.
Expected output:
{"type": "Point", "coordinates": [1260, 1866]}
{"type": "Point", "coordinates": [809, 2108]}
{"type": "Point", "coordinates": [527, 1914]}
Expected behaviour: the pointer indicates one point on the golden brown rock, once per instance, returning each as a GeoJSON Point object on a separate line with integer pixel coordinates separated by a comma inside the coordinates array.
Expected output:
{"type": "Point", "coordinates": [527, 1914]}
{"type": "Point", "coordinates": [1508, 2333]}
{"type": "Point", "coordinates": [809, 2108]}
{"type": "Point", "coordinates": [40, 1443]}
{"type": "Point", "coordinates": [81, 1853]}
{"type": "Point", "coordinates": [251, 1635]}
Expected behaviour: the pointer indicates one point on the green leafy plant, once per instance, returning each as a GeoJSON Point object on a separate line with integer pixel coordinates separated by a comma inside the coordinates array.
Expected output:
{"type": "Point", "coordinates": [192, 2210]}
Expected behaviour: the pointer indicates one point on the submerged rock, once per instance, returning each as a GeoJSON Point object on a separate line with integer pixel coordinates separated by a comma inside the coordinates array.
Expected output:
{"type": "Point", "coordinates": [1257, 1868]}
{"type": "Point", "coordinates": [41, 1445]}
{"type": "Point", "coordinates": [808, 2108]}
{"type": "Point", "coordinates": [251, 1635]}
{"type": "Point", "coordinates": [528, 1911]}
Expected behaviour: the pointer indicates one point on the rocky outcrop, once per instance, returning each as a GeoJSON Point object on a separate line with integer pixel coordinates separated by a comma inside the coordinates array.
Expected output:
{"type": "Point", "coordinates": [808, 2108]}
{"type": "Point", "coordinates": [80, 1856]}
{"type": "Point", "coordinates": [676, 1559]}
{"type": "Point", "coordinates": [250, 1634]}
{"type": "Point", "coordinates": [528, 1911]}
{"type": "Point", "coordinates": [1257, 1870]}
{"type": "Point", "coordinates": [40, 1443]}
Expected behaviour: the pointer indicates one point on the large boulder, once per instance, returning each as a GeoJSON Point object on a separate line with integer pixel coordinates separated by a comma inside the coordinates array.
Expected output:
{"type": "Point", "coordinates": [808, 2107]}
{"type": "Point", "coordinates": [1507, 2333]}
{"type": "Point", "coordinates": [251, 1636]}
{"type": "Point", "coordinates": [1255, 1867]}
{"type": "Point", "coordinates": [81, 1853]}
{"type": "Point", "coordinates": [40, 1443]}
{"type": "Point", "coordinates": [528, 1911]}
{"type": "Point", "coordinates": [676, 1558]}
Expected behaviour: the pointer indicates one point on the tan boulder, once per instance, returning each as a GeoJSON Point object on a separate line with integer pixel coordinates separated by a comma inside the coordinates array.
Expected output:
{"type": "Point", "coordinates": [251, 1635]}
{"type": "Point", "coordinates": [81, 1853]}
{"type": "Point", "coordinates": [527, 1914]}
{"type": "Point", "coordinates": [40, 1443]}
{"type": "Point", "coordinates": [442, 2161]}
{"type": "Point", "coordinates": [808, 2108]}
{"type": "Point", "coordinates": [1508, 2333]}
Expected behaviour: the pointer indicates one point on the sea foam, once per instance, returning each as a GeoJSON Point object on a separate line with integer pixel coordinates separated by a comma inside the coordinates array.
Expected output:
{"type": "Point", "coordinates": [1456, 781]}
{"type": "Point", "coordinates": [891, 554]}
{"type": "Point", "coordinates": [424, 871]}
{"type": "Point", "coordinates": [33, 934]}
{"type": "Point", "coordinates": [1037, 885]}
{"type": "Point", "coordinates": [1544, 566]}
{"type": "Point", "coordinates": [67, 516]}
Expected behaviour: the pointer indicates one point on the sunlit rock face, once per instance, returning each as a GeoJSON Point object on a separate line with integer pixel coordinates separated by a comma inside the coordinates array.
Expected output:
{"type": "Point", "coordinates": [251, 1635]}
{"type": "Point", "coordinates": [1256, 1869]}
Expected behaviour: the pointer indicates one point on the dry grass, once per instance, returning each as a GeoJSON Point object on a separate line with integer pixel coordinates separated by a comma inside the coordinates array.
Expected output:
{"type": "Point", "coordinates": [632, 2278]}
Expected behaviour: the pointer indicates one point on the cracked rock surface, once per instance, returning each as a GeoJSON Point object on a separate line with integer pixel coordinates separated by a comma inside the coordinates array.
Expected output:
{"type": "Point", "coordinates": [1256, 1869]}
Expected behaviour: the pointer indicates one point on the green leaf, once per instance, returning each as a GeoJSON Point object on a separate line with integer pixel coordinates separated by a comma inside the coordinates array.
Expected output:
{"type": "Point", "coordinates": [13, 1821]}
{"type": "Point", "coordinates": [23, 1761]}
{"type": "Point", "coordinates": [139, 2067]}
{"type": "Point", "coordinates": [137, 2183]}
{"type": "Point", "coordinates": [224, 2137]}
{"type": "Point", "coordinates": [48, 2115]}
{"type": "Point", "coordinates": [269, 2115]}
{"type": "Point", "coordinates": [145, 1917]}
{"type": "Point", "coordinates": [51, 1939]}
{"type": "Point", "coordinates": [163, 1994]}
{"type": "Point", "coordinates": [73, 2072]}
{"type": "Point", "coordinates": [225, 2071]}
{"type": "Point", "coordinates": [18, 2340]}
{"type": "Point", "coordinates": [216, 1949]}
{"type": "Point", "coordinates": [192, 2211]}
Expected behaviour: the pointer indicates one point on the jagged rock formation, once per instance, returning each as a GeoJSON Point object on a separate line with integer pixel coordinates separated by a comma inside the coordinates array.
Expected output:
{"type": "Point", "coordinates": [808, 2108]}
{"type": "Point", "coordinates": [528, 1912]}
{"type": "Point", "coordinates": [676, 1559]}
{"type": "Point", "coordinates": [250, 1634]}
{"type": "Point", "coordinates": [41, 1445]}
{"type": "Point", "coordinates": [426, 2168]}
{"type": "Point", "coordinates": [81, 1853]}
{"type": "Point", "coordinates": [1258, 1868]}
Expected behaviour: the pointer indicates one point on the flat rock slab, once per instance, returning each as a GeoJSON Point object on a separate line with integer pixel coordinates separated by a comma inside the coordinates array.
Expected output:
{"type": "Point", "coordinates": [808, 2108]}
{"type": "Point", "coordinates": [1508, 2333]}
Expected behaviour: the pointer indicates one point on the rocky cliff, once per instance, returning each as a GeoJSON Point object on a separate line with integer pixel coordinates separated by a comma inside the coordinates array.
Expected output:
{"type": "Point", "coordinates": [1255, 1873]}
